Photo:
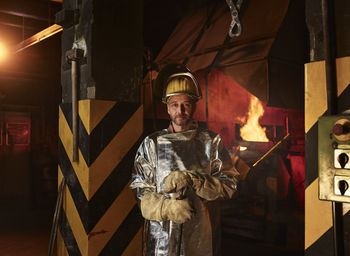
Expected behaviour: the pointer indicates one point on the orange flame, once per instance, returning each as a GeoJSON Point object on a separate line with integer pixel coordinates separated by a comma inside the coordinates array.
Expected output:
{"type": "Point", "coordinates": [252, 131]}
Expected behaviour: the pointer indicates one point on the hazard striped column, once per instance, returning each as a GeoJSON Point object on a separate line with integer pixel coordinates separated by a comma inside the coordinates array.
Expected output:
{"type": "Point", "coordinates": [100, 215]}
{"type": "Point", "coordinates": [318, 214]}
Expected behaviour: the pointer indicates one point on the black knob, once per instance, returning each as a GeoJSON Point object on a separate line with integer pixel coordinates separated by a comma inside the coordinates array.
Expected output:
{"type": "Point", "coordinates": [343, 159]}
{"type": "Point", "coordinates": [343, 186]}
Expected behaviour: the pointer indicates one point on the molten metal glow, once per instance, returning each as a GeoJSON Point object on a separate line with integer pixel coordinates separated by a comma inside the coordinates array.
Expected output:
{"type": "Point", "coordinates": [3, 52]}
{"type": "Point", "coordinates": [252, 131]}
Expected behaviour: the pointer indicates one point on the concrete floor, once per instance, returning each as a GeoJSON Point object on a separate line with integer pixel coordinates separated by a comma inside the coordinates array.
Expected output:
{"type": "Point", "coordinates": [27, 232]}
{"type": "Point", "coordinates": [235, 246]}
{"type": "Point", "coordinates": [24, 232]}
{"type": "Point", "coordinates": [293, 244]}
{"type": "Point", "coordinates": [23, 242]}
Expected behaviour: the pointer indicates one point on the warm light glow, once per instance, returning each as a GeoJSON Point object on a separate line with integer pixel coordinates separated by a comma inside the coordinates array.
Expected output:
{"type": "Point", "coordinates": [252, 131]}
{"type": "Point", "coordinates": [3, 52]}
{"type": "Point", "coordinates": [242, 148]}
{"type": "Point", "coordinates": [38, 37]}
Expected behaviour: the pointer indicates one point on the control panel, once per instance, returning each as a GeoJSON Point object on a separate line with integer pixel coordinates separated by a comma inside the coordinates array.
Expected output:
{"type": "Point", "coordinates": [334, 158]}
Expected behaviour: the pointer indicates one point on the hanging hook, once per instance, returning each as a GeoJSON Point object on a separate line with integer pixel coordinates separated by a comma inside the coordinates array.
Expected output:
{"type": "Point", "coordinates": [235, 23]}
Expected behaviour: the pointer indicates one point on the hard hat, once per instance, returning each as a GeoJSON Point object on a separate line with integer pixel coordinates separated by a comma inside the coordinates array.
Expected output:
{"type": "Point", "coordinates": [182, 83]}
{"type": "Point", "coordinates": [176, 79]}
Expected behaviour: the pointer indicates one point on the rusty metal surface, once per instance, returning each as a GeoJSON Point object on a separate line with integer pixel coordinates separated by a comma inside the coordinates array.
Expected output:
{"type": "Point", "coordinates": [257, 60]}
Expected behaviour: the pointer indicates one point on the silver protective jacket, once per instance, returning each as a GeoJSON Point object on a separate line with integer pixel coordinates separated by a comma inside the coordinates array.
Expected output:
{"type": "Point", "coordinates": [164, 152]}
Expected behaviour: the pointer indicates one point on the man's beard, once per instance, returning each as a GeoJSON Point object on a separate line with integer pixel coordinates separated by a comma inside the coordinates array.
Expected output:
{"type": "Point", "coordinates": [183, 122]}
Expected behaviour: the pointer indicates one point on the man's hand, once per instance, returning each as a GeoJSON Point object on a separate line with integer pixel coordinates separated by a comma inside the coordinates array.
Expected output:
{"type": "Point", "coordinates": [177, 210]}
{"type": "Point", "coordinates": [176, 181]}
{"type": "Point", "coordinates": [204, 185]}
{"type": "Point", "coordinates": [155, 206]}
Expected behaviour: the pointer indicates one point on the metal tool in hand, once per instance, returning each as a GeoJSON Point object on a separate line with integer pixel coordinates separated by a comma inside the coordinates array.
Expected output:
{"type": "Point", "coordinates": [182, 195]}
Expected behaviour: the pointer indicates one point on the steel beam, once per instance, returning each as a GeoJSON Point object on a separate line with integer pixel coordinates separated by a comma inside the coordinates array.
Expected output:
{"type": "Point", "coordinates": [38, 37]}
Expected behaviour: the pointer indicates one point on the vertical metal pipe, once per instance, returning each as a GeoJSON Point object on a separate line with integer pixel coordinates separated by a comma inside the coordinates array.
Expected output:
{"type": "Point", "coordinates": [338, 231]}
{"type": "Point", "coordinates": [329, 55]}
{"type": "Point", "coordinates": [331, 80]}
{"type": "Point", "coordinates": [56, 218]}
{"type": "Point", "coordinates": [75, 109]}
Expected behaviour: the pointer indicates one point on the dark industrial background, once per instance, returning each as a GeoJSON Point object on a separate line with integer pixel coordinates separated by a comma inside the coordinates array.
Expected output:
{"type": "Point", "coordinates": [35, 81]}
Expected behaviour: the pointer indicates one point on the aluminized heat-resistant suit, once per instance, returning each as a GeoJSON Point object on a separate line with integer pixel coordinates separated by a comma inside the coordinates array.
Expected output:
{"type": "Point", "coordinates": [197, 149]}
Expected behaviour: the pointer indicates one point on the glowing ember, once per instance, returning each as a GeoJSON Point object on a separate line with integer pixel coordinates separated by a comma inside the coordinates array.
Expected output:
{"type": "Point", "coordinates": [252, 131]}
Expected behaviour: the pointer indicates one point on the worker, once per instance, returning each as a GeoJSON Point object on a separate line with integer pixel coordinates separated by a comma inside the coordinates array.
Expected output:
{"type": "Point", "coordinates": [178, 172]}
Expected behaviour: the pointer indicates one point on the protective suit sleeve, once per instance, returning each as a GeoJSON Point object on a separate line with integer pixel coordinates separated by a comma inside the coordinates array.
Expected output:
{"type": "Point", "coordinates": [155, 206]}
{"type": "Point", "coordinates": [218, 181]}
{"type": "Point", "coordinates": [143, 180]}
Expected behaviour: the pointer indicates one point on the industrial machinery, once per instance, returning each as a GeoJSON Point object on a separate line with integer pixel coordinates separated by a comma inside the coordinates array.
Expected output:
{"type": "Point", "coordinates": [333, 158]}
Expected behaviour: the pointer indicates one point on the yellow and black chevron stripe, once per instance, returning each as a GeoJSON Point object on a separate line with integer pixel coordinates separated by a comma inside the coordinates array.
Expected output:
{"type": "Point", "coordinates": [318, 214]}
{"type": "Point", "coordinates": [99, 215]}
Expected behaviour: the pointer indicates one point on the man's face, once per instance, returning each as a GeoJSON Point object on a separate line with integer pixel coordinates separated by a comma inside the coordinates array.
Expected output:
{"type": "Point", "coordinates": [180, 109]}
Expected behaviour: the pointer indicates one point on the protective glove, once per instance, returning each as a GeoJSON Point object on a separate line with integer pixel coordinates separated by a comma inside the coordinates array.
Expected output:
{"type": "Point", "coordinates": [205, 186]}
{"type": "Point", "coordinates": [155, 206]}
